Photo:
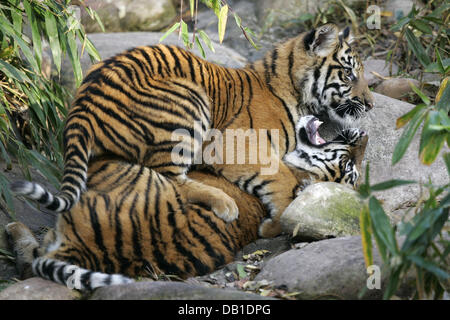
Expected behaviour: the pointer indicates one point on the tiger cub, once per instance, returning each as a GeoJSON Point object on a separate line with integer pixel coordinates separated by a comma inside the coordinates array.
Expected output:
{"type": "Point", "coordinates": [129, 106]}
{"type": "Point", "coordinates": [133, 221]}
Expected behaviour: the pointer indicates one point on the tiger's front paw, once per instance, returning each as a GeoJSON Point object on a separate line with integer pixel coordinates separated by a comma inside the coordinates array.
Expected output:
{"type": "Point", "coordinates": [224, 207]}
{"type": "Point", "coordinates": [269, 228]}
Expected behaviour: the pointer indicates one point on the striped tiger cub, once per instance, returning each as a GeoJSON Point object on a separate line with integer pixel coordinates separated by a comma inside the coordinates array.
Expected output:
{"type": "Point", "coordinates": [128, 106]}
{"type": "Point", "coordinates": [133, 221]}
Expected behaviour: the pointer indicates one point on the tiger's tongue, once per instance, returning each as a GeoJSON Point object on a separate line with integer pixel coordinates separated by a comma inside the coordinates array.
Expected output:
{"type": "Point", "coordinates": [314, 136]}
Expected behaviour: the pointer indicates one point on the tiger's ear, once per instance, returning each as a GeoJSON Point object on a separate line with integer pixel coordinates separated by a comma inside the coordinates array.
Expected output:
{"type": "Point", "coordinates": [321, 41]}
{"type": "Point", "coordinates": [346, 35]}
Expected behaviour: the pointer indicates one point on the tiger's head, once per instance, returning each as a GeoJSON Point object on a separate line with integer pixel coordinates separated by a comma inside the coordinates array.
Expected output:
{"type": "Point", "coordinates": [338, 160]}
{"type": "Point", "coordinates": [333, 82]}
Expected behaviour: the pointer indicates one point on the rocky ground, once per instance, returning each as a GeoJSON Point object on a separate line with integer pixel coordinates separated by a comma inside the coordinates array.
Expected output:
{"type": "Point", "coordinates": [284, 267]}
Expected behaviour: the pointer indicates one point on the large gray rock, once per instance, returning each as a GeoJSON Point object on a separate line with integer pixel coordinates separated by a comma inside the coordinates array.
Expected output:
{"type": "Point", "coordinates": [129, 15]}
{"type": "Point", "coordinates": [35, 219]}
{"type": "Point", "coordinates": [326, 269]}
{"type": "Point", "coordinates": [38, 289]}
{"type": "Point", "coordinates": [160, 290]}
{"type": "Point", "coordinates": [287, 10]}
{"type": "Point", "coordinates": [323, 210]}
{"type": "Point", "coordinates": [380, 67]}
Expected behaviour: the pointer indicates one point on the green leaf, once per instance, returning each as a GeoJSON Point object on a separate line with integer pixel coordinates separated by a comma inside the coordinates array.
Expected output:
{"type": "Point", "coordinates": [238, 20]}
{"type": "Point", "coordinates": [52, 33]}
{"type": "Point", "coordinates": [422, 26]}
{"type": "Point", "coordinates": [223, 17]}
{"type": "Point", "coordinates": [438, 66]}
{"type": "Point", "coordinates": [407, 136]}
{"type": "Point", "coordinates": [171, 30]}
{"type": "Point", "coordinates": [200, 47]}
{"type": "Point", "coordinates": [439, 61]}
{"type": "Point", "coordinates": [443, 96]}
{"type": "Point", "coordinates": [241, 271]}
{"type": "Point", "coordinates": [6, 194]}
{"type": "Point", "coordinates": [192, 7]}
{"type": "Point", "coordinates": [74, 58]}
{"type": "Point", "coordinates": [390, 184]}
{"type": "Point", "coordinates": [447, 162]}
{"type": "Point", "coordinates": [417, 48]}
{"type": "Point", "coordinates": [366, 235]}
{"type": "Point", "coordinates": [91, 49]}
{"type": "Point", "coordinates": [206, 40]}
{"type": "Point", "coordinates": [420, 93]}
{"type": "Point", "coordinates": [247, 33]}
{"type": "Point", "coordinates": [12, 72]}
{"type": "Point", "coordinates": [382, 229]}
{"type": "Point", "coordinates": [8, 29]}
{"type": "Point", "coordinates": [35, 32]}
{"type": "Point", "coordinates": [185, 34]}
{"type": "Point", "coordinates": [429, 266]}
{"type": "Point", "coordinates": [403, 120]}
{"type": "Point", "coordinates": [431, 141]}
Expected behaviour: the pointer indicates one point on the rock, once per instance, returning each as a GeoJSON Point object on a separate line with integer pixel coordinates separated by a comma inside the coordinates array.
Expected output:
{"type": "Point", "coordinates": [400, 8]}
{"type": "Point", "coordinates": [110, 44]}
{"type": "Point", "coordinates": [129, 15]}
{"type": "Point", "coordinates": [38, 289]}
{"type": "Point", "coordinates": [275, 246]}
{"type": "Point", "coordinates": [36, 220]}
{"type": "Point", "coordinates": [383, 137]}
{"type": "Point", "coordinates": [396, 88]}
{"type": "Point", "coordinates": [380, 67]}
{"type": "Point", "coordinates": [287, 10]}
{"type": "Point", "coordinates": [160, 290]}
{"type": "Point", "coordinates": [326, 269]}
{"type": "Point", "coordinates": [321, 211]}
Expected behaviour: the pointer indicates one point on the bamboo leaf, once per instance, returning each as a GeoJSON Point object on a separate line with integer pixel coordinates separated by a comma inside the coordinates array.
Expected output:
{"type": "Point", "coordinates": [407, 136]}
{"type": "Point", "coordinates": [382, 229]}
{"type": "Point", "coordinates": [74, 58]}
{"type": "Point", "coordinates": [200, 47]}
{"type": "Point", "coordinates": [403, 120]}
{"type": "Point", "coordinates": [431, 141]}
{"type": "Point", "coordinates": [192, 7]}
{"type": "Point", "coordinates": [206, 40]}
{"type": "Point", "coordinates": [417, 48]}
{"type": "Point", "coordinates": [429, 266]}
{"type": "Point", "coordinates": [443, 96]}
{"type": "Point", "coordinates": [35, 32]}
{"type": "Point", "coordinates": [366, 235]}
{"type": "Point", "coordinates": [223, 17]}
{"type": "Point", "coordinates": [390, 184]}
{"type": "Point", "coordinates": [171, 30]}
{"type": "Point", "coordinates": [52, 33]}
{"type": "Point", "coordinates": [422, 95]}
{"type": "Point", "coordinates": [12, 72]}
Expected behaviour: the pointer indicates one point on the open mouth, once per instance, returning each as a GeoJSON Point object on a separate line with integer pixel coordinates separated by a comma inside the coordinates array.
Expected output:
{"type": "Point", "coordinates": [312, 131]}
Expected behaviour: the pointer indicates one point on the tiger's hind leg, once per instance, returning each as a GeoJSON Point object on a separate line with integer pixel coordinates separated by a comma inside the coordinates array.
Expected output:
{"type": "Point", "coordinates": [25, 247]}
{"type": "Point", "coordinates": [221, 204]}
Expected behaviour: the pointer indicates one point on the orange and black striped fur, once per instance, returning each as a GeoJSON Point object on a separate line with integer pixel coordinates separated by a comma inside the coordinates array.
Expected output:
{"type": "Point", "coordinates": [133, 221]}
{"type": "Point", "coordinates": [130, 105]}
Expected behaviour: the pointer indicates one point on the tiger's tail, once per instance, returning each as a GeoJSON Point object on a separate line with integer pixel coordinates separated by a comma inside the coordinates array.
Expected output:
{"type": "Point", "coordinates": [77, 137]}
{"type": "Point", "coordinates": [73, 276]}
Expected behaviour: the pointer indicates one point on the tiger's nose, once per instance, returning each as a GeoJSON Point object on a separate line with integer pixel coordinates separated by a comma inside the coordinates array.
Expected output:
{"type": "Point", "coordinates": [368, 105]}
